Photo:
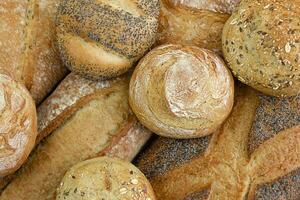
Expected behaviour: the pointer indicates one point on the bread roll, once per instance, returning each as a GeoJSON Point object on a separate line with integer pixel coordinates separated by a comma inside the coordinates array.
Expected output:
{"type": "Point", "coordinates": [181, 91]}
{"type": "Point", "coordinates": [254, 155]}
{"type": "Point", "coordinates": [220, 6]}
{"type": "Point", "coordinates": [26, 44]}
{"type": "Point", "coordinates": [105, 178]}
{"type": "Point", "coordinates": [200, 26]}
{"type": "Point", "coordinates": [102, 39]}
{"type": "Point", "coordinates": [18, 125]}
{"type": "Point", "coordinates": [261, 43]}
{"type": "Point", "coordinates": [83, 119]}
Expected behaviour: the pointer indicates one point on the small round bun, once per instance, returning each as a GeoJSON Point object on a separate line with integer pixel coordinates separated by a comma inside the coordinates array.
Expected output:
{"type": "Point", "coordinates": [105, 178]}
{"type": "Point", "coordinates": [261, 43]}
{"type": "Point", "coordinates": [181, 91]}
{"type": "Point", "coordinates": [103, 39]}
{"type": "Point", "coordinates": [18, 125]}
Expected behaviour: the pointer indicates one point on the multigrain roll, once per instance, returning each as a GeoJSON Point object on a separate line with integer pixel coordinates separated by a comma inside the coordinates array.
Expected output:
{"type": "Point", "coordinates": [102, 39]}
{"type": "Point", "coordinates": [82, 119]}
{"type": "Point", "coordinates": [105, 178]}
{"type": "Point", "coordinates": [18, 127]}
{"type": "Point", "coordinates": [181, 91]}
{"type": "Point", "coordinates": [261, 43]}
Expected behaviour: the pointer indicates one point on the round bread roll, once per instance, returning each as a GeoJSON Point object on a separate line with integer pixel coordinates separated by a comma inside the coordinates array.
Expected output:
{"type": "Point", "coordinates": [18, 127]}
{"type": "Point", "coordinates": [261, 43]}
{"type": "Point", "coordinates": [181, 91]}
{"type": "Point", "coordinates": [103, 39]}
{"type": "Point", "coordinates": [105, 178]}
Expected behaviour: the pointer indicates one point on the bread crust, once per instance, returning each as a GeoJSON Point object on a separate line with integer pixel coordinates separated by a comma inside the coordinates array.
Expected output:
{"type": "Point", "coordinates": [95, 113]}
{"type": "Point", "coordinates": [261, 45]}
{"type": "Point", "coordinates": [103, 39]}
{"type": "Point", "coordinates": [181, 91]}
{"type": "Point", "coordinates": [255, 155]}
{"type": "Point", "coordinates": [26, 44]}
{"type": "Point", "coordinates": [18, 126]}
{"type": "Point", "coordinates": [105, 178]}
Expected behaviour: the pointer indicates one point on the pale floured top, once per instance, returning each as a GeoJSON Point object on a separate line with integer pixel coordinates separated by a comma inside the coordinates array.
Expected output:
{"type": "Point", "coordinates": [181, 91]}
{"type": "Point", "coordinates": [18, 125]}
{"type": "Point", "coordinates": [71, 90]}
{"type": "Point", "coordinates": [105, 178]}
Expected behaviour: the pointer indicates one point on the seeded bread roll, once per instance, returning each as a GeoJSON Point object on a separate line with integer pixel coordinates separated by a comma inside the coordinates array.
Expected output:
{"type": "Point", "coordinates": [18, 127]}
{"type": "Point", "coordinates": [181, 91]}
{"type": "Point", "coordinates": [83, 119]}
{"type": "Point", "coordinates": [27, 45]}
{"type": "Point", "coordinates": [261, 43]}
{"type": "Point", "coordinates": [102, 39]}
{"type": "Point", "coordinates": [253, 156]}
{"type": "Point", "coordinates": [105, 178]}
{"type": "Point", "coordinates": [194, 22]}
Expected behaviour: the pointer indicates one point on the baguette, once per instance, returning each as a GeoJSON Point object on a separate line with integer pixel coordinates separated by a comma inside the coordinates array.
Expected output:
{"type": "Point", "coordinates": [26, 44]}
{"type": "Point", "coordinates": [86, 119]}
{"type": "Point", "coordinates": [254, 155]}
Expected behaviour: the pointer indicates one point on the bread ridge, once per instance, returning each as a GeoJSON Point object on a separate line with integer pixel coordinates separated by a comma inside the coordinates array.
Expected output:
{"type": "Point", "coordinates": [269, 130]}
{"type": "Point", "coordinates": [118, 143]}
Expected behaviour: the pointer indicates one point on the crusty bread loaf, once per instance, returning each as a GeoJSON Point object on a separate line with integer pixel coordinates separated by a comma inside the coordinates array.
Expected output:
{"type": "Point", "coordinates": [18, 127]}
{"type": "Point", "coordinates": [181, 91]}
{"type": "Point", "coordinates": [105, 178]}
{"type": "Point", "coordinates": [255, 155]}
{"type": "Point", "coordinates": [198, 26]}
{"type": "Point", "coordinates": [103, 39]}
{"type": "Point", "coordinates": [26, 44]}
{"type": "Point", "coordinates": [261, 42]}
{"type": "Point", "coordinates": [86, 119]}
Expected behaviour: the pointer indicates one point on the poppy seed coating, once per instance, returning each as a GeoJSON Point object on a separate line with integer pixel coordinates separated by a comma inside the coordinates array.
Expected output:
{"type": "Point", "coordinates": [102, 39]}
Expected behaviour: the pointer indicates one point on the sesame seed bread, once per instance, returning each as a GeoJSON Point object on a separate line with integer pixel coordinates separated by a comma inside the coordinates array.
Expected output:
{"type": "Point", "coordinates": [26, 44]}
{"type": "Point", "coordinates": [254, 155]}
{"type": "Point", "coordinates": [105, 178]}
{"type": "Point", "coordinates": [261, 42]}
{"type": "Point", "coordinates": [103, 39]}
{"type": "Point", "coordinates": [83, 119]}
{"type": "Point", "coordinates": [181, 91]}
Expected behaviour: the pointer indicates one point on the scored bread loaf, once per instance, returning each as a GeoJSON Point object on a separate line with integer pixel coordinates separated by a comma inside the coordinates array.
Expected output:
{"type": "Point", "coordinates": [193, 22]}
{"type": "Point", "coordinates": [26, 44]}
{"type": "Point", "coordinates": [85, 119]}
{"type": "Point", "coordinates": [255, 155]}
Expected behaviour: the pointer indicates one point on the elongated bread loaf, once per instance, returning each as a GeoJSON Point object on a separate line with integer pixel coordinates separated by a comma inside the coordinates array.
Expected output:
{"type": "Point", "coordinates": [26, 44]}
{"type": "Point", "coordinates": [86, 119]}
{"type": "Point", "coordinates": [255, 155]}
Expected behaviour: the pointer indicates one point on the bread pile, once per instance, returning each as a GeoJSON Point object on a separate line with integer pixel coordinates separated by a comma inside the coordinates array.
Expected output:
{"type": "Point", "coordinates": [84, 84]}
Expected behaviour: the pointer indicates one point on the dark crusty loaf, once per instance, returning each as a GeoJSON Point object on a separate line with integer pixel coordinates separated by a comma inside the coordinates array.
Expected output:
{"type": "Point", "coordinates": [26, 44]}
{"type": "Point", "coordinates": [255, 155]}
{"type": "Point", "coordinates": [86, 119]}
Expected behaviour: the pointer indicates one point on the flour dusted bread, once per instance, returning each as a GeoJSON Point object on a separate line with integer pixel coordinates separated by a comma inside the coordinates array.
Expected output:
{"type": "Point", "coordinates": [105, 178]}
{"type": "Point", "coordinates": [254, 155]}
{"type": "Point", "coordinates": [193, 22]}
{"type": "Point", "coordinates": [103, 39]}
{"type": "Point", "coordinates": [82, 119]}
{"type": "Point", "coordinates": [181, 91]}
{"type": "Point", "coordinates": [261, 42]}
{"type": "Point", "coordinates": [18, 127]}
{"type": "Point", "coordinates": [26, 44]}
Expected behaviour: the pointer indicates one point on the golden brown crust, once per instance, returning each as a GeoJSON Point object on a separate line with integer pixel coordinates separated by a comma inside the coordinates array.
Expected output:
{"type": "Point", "coordinates": [261, 44]}
{"type": "Point", "coordinates": [182, 25]}
{"type": "Point", "coordinates": [105, 178]}
{"type": "Point", "coordinates": [18, 126]}
{"type": "Point", "coordinates": [181, 91]}
{"type": "Point", "coordinates": [102, 39]}
{"type": "Point", "coordinates": [226, 168]}
{"type": "Point", "coordinates": [99, 118]}
{"type": "Point", "coordinates": [26, 44]}
{"type": "Point", "coordinates": [221, 6]}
